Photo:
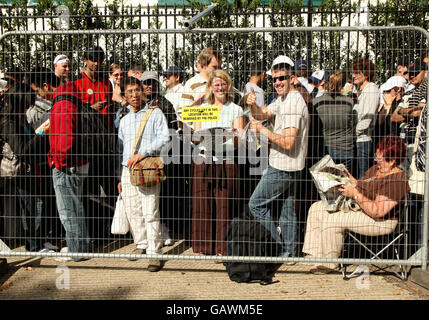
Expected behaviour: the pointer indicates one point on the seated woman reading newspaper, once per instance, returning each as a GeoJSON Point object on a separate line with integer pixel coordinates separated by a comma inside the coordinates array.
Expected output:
{"type": "Point", "coordinates": [380, 194]}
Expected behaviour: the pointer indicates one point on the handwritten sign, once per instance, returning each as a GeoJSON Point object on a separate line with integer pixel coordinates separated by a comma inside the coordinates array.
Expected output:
{"type": "Point", "coordinates": [201, 114]}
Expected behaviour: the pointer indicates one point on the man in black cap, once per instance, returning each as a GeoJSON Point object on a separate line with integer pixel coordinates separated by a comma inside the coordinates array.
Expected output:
{"type": "Point", "coordinates": [173, 78]}
{"type": "Point", "coordinates": [95, 89]}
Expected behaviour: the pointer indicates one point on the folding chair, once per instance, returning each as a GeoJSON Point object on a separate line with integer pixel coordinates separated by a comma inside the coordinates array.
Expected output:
{"type": "Point", "coordinates": [392, 240]}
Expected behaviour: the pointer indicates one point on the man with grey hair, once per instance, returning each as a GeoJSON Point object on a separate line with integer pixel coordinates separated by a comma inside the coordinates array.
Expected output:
{"type": "Point", "coordinates": [136, 71]}
{"type": "Point", "coordinates": [62, 68]}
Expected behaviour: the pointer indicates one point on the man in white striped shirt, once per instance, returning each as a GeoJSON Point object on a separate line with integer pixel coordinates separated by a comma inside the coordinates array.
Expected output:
{"type": "Point", "coordinates": [208, 60]}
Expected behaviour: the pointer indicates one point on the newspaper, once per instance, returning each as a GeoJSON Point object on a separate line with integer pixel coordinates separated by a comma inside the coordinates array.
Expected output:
{"type": "Point", "coordinates": [327, 177]}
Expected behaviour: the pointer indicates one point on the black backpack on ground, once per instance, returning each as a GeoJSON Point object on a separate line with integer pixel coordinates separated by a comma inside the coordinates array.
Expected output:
{"type": "Point", "coordinates": [93, 137]}
{"type": "Point", "coordinates": [250, 238]}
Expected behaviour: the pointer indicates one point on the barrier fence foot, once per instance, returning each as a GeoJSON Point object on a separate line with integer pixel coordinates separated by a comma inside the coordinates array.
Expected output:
{"type": "Point", "coordinates": [420, 277]}
{"type": "Point", "coordinates": [3, 266]}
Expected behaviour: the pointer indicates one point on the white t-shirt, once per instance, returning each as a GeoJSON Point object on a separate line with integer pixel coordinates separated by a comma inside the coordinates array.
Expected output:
{"type": "Point", "coordinates": [229, 113]}
{"type": "Point", "coordinates": [291, 112]}
{"type": "Point", "coordinates": [260, 100]}
{"type": "Point", "coordinates": [174, 95]}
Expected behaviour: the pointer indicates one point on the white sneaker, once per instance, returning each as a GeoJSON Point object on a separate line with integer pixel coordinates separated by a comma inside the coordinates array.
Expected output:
{"type": "Point", "coordinates": [289, 263]}
{"type": "Point", "coordinates": [50, 246]}
{"type": "Point", "coordinates": [166, 235]}
{"type": "Point", "coordinates": [168, 242]}
{"type": "Point", "coordinates": [61, 259]}
{"type": "Point", "coordinates": [46, 250]}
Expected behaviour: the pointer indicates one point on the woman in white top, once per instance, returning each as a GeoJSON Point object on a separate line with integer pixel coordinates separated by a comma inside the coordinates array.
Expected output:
{"type": "Point", "coordinates": [116, 77]}
{"type": "Point", "coordinates": [214, 181]}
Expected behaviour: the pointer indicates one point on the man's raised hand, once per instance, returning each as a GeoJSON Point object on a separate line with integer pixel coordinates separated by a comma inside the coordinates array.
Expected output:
{"type": "Point", "coordinates": [251, 98]}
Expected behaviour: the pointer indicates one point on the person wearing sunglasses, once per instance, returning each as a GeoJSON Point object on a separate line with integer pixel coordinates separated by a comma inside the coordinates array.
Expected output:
{"type": "Point", "coordinates": [410, 108]}
{"type": "Point", "coordinates": [152, 94]}
{"type": "Point", "coordinates": [288, 150]}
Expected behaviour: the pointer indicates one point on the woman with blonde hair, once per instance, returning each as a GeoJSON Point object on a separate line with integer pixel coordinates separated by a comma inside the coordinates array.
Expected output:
{"type": "Point", "coordinates": [215, 174]}
{"type": "Point", "coordinates": [336, 114]}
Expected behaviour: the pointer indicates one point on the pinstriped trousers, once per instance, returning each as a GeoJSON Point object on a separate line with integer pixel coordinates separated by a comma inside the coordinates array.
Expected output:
{"type": "Point", "coordinates": [142, 210]}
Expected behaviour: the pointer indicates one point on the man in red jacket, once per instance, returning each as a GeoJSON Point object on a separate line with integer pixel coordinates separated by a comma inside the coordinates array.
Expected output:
{"type": "Point", "coordinates": [69, 170]}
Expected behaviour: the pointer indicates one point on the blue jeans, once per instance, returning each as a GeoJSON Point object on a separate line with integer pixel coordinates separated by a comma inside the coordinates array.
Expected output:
{"type": "Point", "coordinates": [365, 155]}
{"type": "Point", "coordinates": [68, 192]}
{"type": "Point", "coordinates": [342, 156]}
{"type": "Point", "coordinates": [31, 217]}
{"type": "Point", "coordinates": [277, 185]}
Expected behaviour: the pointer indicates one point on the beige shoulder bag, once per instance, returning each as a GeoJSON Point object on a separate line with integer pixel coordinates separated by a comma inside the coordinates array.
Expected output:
{"type": "Point", "coordinates": [150, 170]}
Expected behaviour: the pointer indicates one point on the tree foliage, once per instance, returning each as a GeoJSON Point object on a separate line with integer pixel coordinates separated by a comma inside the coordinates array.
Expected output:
{"type": "Point", "coordinates": [328, 50]}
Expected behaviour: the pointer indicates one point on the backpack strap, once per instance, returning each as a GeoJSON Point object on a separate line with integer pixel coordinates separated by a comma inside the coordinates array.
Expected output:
{"type": "Point", "coordinates": [141, 128]}
{"type": "Point", "coordinates": [68, 97]}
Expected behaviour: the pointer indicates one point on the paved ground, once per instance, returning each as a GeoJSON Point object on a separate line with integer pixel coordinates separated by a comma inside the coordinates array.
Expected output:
{"type": "Point", "coordinates": [113, 279]}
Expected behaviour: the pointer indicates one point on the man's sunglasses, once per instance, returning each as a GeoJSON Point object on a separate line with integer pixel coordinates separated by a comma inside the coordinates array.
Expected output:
{"type": "Point", "coordinates": [149, 82]}
{"type": "Point", "coordinates": [280, 78]}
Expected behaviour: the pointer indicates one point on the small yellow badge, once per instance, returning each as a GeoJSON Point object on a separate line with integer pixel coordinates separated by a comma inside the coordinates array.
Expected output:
{"type": "Point", "coordinates": [201, 114]}
{"type": "Point", "coordinates": [90, 91]}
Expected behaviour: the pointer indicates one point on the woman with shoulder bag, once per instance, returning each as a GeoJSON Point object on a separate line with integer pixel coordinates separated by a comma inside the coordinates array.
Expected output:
{"type": "Point", "coordinates": [26, 146]}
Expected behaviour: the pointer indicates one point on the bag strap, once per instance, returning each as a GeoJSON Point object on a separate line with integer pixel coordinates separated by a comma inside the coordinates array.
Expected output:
{"type": "Point", "coordinates": [68, 97]}
{"type": "Point", "coordinates": [417, 136]}
{"type": "Point", "coordinates": [141, 128]}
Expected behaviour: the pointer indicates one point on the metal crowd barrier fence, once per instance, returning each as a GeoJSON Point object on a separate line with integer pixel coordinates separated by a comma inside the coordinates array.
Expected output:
{"type": "Point", "coordinates": [30, 222]}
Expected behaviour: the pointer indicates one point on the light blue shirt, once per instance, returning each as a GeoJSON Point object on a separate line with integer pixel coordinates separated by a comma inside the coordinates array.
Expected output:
{"type": "Point", "coordinates": [154, 137]}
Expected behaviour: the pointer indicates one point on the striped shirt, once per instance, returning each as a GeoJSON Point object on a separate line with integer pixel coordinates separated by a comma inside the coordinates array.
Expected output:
{"type": "Point", "coordinates": [419, 95]}
{"type": "Point", "coordinates": [421, 147]}
{"type": "Point", "coordinates": [194, 89]}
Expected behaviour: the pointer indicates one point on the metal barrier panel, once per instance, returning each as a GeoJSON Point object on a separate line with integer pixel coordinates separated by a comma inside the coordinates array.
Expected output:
{"type": "Point", "coordinates": [220, 174]}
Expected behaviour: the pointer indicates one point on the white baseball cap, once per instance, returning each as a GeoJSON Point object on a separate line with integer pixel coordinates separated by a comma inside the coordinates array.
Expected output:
{"type": "Point", "coordinates": [318, 76]}
{"type": "Point", "coordinates": [61, 58]}
{"type": "Point", "coordinates": [392, 82]}
{"type": "Point", "coordinates": [281, 60]}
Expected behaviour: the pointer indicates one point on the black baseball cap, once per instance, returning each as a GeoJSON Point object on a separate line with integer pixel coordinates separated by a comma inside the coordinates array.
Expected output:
{"type": "Point", "coordinates": [172, 70]}
{"type": "Point", "coordinates": [94, 53]}
{"type": "Point", "coordinates": [417, 66]}
{"type": "Point", "coordinates": [257, 68]}
{"type": "Point", "coordinates": [403, 60]}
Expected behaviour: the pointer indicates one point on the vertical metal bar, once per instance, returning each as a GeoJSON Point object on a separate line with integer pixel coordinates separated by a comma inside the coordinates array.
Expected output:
{"type": "Point", "coordinates": [426, 195]}
{"type": "Point", "coordinates": [309, 34]}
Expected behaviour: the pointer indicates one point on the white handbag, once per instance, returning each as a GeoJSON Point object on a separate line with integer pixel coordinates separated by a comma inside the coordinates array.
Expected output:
{"type": "Point", "coordinates": [416, 178]}
{"type": "Point", "coordinates": [120, 224]}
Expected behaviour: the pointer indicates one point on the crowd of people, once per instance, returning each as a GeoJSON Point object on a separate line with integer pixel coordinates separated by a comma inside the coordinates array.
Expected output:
{"type": "Point", "coordinates": [309, 114]}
